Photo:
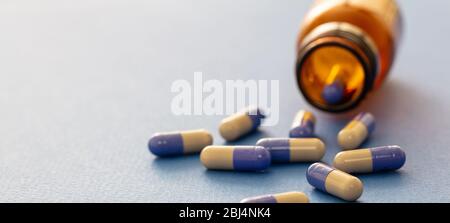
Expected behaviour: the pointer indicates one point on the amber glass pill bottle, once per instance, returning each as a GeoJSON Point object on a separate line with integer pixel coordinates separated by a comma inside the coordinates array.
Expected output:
{"type": "Point", "coordinates": [345, 50]}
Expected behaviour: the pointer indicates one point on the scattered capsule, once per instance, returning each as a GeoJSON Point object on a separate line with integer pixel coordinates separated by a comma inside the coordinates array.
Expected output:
{"type": "Point", "coordinates": [303, 125]}
{"type": "Point", "coordinates": [335, 182]}
{"type": "Point", "coordinates": [240, 158]}
{"type": "Point", "coordinates": [370, 160]}
{"type": "Point", "coordinates": [285, 150]}
{"type": "Point", "coordinates": [352, 135]}
{"type": "Point", "coordinates": [240, 124]}
{"type": "Point", "coordinates": [333, 93]}
{"type": "Point", "coordinates": [179, 143]}
{"type": "Point", "coordinates": [288, 197]}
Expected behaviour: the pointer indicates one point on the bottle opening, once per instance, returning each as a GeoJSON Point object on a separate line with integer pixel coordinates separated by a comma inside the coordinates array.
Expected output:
{"type": "Point", "coordinates": [337, 64]}
{"type": "Point", "coordinates": [332, 76]}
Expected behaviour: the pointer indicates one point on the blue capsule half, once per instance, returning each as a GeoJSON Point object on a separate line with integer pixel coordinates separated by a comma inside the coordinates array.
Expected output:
{"type": "Point", "coordinates": [179, 143]}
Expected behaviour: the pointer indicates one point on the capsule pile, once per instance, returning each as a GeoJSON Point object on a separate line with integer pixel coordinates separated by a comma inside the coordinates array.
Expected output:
{"type": "Point", "coordinates": [301, 145]}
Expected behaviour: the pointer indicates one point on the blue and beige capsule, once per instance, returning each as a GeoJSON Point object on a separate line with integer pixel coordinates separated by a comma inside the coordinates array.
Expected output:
{"type": "Point", "coordinates": [370, 160]}
{"type": "Point", "coordinates": [288, 197]}
{"type": "Point", "coordinates": [356, 131]}
{"type": "Point", "coordinates": [239, 158]}
{"type": "Point", "coordinates": [303, 125]}
{"type": "Point", "coordinates": [179, 143]}
{"type": "Point", "coordinates": [290, 150]}
{"type": "Point", "coordinates": [334, 182]}
{"type": "Point", "coordinates": [334, 92]}
{"type": "Point", "coordinates": [241, 123]}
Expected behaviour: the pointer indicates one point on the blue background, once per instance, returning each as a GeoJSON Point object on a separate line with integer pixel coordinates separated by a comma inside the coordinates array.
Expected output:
{"type": "Point", "coordinates": [84, 84]}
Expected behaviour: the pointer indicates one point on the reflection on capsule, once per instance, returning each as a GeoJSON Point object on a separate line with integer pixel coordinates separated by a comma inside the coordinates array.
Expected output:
{"type": "Point", "coordinates": [179, 143]}
{"type": "Point", "coordinates": [285, 150]}
{"type": "Point", "coordinates": [303, 125]}
{"type": "Point", "coordinates": [240, 124]}
{"type": "Point", "coordinates": [352, 135]}
{"type": "Point", "coordinates": [370, 160]}
{"type": "Point", "coordinates": [240, 158]}
{"type": "Point", "coordinates": [335, 182]}
{"type": "Point", "coordinates": [288, 197]}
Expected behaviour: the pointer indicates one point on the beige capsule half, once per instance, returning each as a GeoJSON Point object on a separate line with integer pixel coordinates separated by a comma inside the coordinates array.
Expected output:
{"type": "Point", "coordinates": [354, 161]}
{"type": "Point", "coordinates": [356, 131]}
{"type": "Point", "coordinates": [240, 124]}
{"type": "Point", "coordinates": [344, 185]}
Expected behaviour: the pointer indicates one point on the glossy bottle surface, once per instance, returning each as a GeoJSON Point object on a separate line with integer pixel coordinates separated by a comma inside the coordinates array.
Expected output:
{"type": "Point", "coordinates": [345, 50]}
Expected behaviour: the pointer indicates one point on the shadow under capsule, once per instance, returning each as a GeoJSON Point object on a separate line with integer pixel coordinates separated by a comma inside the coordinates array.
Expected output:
{"type": "Point", "coordinates": [250, 138]}
{"type": "Point", "coordinates": [237, 179]}
{"type": "Point", "coordinates": [175, 163]}
{"type": "Point", "coordinates": [396, 179]}
{"type": "Point", "coordinates": [318, 195]}
{"type": "Point", "coordinates": [395, 105]}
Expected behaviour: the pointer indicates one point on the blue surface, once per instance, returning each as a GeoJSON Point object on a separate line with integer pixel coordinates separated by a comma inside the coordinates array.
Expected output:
{"type": "Point", "coordinates": [84, 84]}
